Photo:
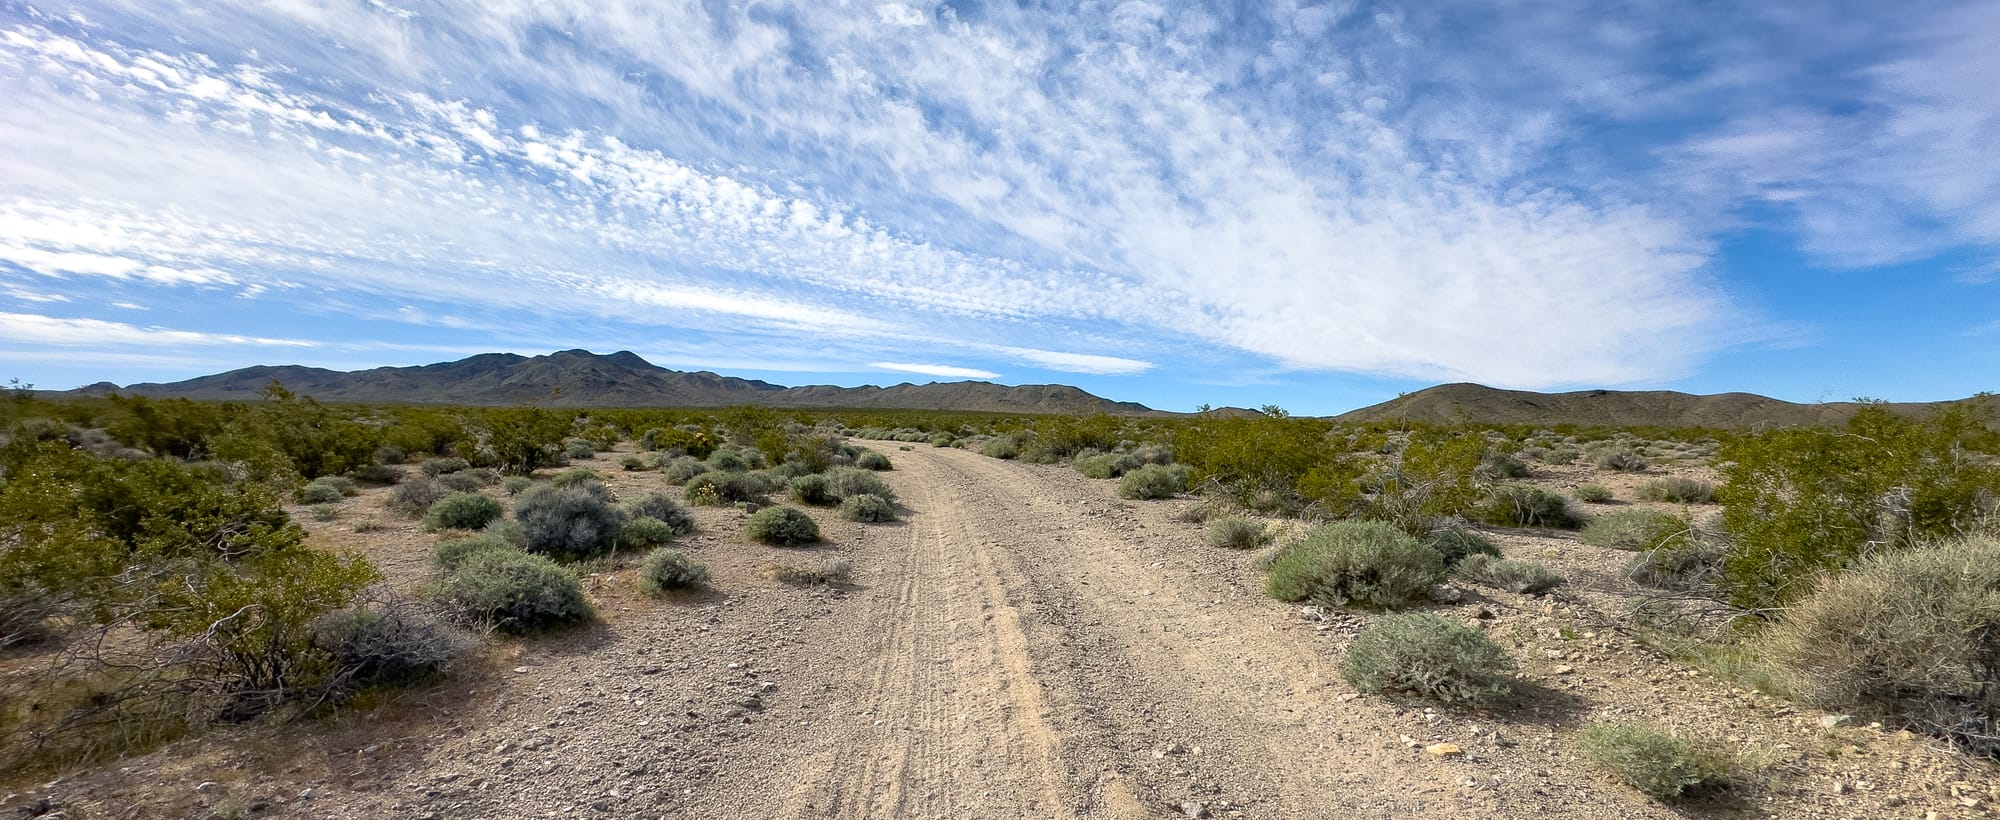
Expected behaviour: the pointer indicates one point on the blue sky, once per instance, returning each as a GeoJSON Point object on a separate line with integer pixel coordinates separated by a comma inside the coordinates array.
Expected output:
{"type": "Point", "coordinates": [1311, 205]}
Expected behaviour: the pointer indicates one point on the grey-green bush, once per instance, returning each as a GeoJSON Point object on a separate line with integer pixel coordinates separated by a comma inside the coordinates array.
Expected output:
{"type": "Point", "coordinates": [1636, 530]}
{"type": "Point", "coordinates": [415, 497]}
{"type": "Point", "coordinates": [1355, 562]}
{"type": "Point", "coordinates": [1681, 565]}
{"type": "Point", "coordinates": [781, 526]}
{"type": "Point", "coordinates": [868, 508]}
{"type": "Point", "coordinates": [463, 511]}
{"type": "Point", "coordinates": [633, 464]}
{"type": "Point", "coordinates": [569, 523]}
{"type": "Point", "coordinates": [1678, 489]}
{"type": "Point", "coordinates": [449, 464]}
{"type": "Point", "coordinates": [728, 487]}
{"type": "Point", "coordinates": [679, 470]}
{"type": "Point", "coordinates": [1154, 481]}
{"type": "Point", "coordinates": [872, 460]}
{"type": "Point", "coordinates": [1454, 545]}
{"type": "Point", "coordinates": [463, 481]}
{"type": "Point", "coordinates": [514, 484]}
{"type": "Point", "coordinates": [318, 493]}
{"type": "Point", "coordinates": [812, 489]}
{"type": "Point", "coordinates": [1001, 447]}
{"type": "Point", "coordinates": [1653, 761]}
{"type": "Point", "coordinates": [581, 477]}
{"type": "Point", "coordinates": [1519, 505]}
{"type": "Point", "coordinates": [388, 642]}
{"type": "Point", "coordinates": [1429, 657]}
{"type": "Point", "coordinates": [1524, 577]}
{"type": "Point", "coordinates": [730, 461]}
{"type": "Point", "coordinates": [665, 569]}
{"type": "Point", "coordinates": [1592, 493]}
{"type": "Point", "coordinates": [451, 552]}
{"type": "Point", "coordinates": [1623, 460]}
{"type": "Point", "coordinates": [513, 590]}
{"type": "Point", "coordinates": [579, 449]}
{"type": "Point", "coordinates": [659, 507]}
{"type": "Point", "coordinates": [1236, 533]}
{"type": "Point", "coordinates": [1502, 465]}
{"type": "Point", "coordinates": [645, 533]}
{"type": "Point", "coordinates": [843, 482]}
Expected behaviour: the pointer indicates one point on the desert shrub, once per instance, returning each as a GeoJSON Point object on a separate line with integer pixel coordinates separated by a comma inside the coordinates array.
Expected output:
{"type": "Point", "coordinates": [1681, 564]}
{"type": "Point", "coordinates": [872, 460]}
{"type": "Point", "coordinates": [463, 481]}
{"type": "Point", "coordinates": [836, 571]}
{"type": "Point", "coordinates": [1636, 530]}
{"type": "Point", "coordinates": [633, 464]}
{"type": "Point", "coordinates": [843, 482]}
{"type": "Point", "coordinates": [645, 533]}
{"type": "Point", "coordinates": [659, 507]}
{"type": "Point", "coordinates": [325, 512]}
{"type": "Point", "coordinates": [664, 569]}
{"type": "Point", "coordinates": [1620, 459]}
{"type": "Point", "coordinates": [451, 552]}
{"type": "Point", "coordinates": [1236, 533]}
{"type": "Point", "coordinates": [513, 590]}
{"type": "Point", "coordinates": [1094, 464]}
{"type": "Point", "coordinates": [943, 440]}
{"type": "Point", "coordinates": [448, 464]}
{"type": "Point", "coordinates": [1678, 489]}
{"type": "Point", "coordinates": [1001, 447]}
{"type": "Point", "coordinates": [1562, 455]}
{"type": "Point", "coordinates": [463, 511]}
{"type": "Point", "coordinates": [514, 484]}
{"type": "Point", "coordinates": [387, 642]}
{"type": "Point", "coordinates": [577, 448]}
{"type": "Point", "coordinates": [812, 489]}
{"type": "Point", "coordinates": [727, 487]}
{"type": "Point", "coordinates": [1454, 544]}
{"type": "Point", "coordinates": [568, 522]}
{"type": "Point", "coordinates": [318, 493]}
{"type": "Point", "coordinates": [1504, 573]}
{"type": "Point", "coordinates": [1154, 481]}
{"type": "Point", "coordinates": [415, 497]}
{"type": "Point", "coordinates": [1652, 761]}
{"type": "Point", "coordinates": [1503, 465]}
{"type": "Point", "coordinates": [763, 482]}
{"type": "Point", "coordinates": [1592, 493]}
{"type": "Point", "coordinates": [679, 470]}
{"type": "Point", "coordinates": [390, 454]}
{"type": "Point", "coordinates": [1911, 636]}
{"type": "Point", "coordinates": [1153, 454]}
{"type": "Point", "coordinates": [25, 609]}
{"type": "Point", "coordinates": [1362, 562]}
{"type": "Point", "coordinates": [580, 477]}
{"type": "Point", "coordinates": [382, 474]}
{"type": "Point", "coordinates": [731, 460]}
{"type": "Point", "coordinates": [781, 526]}
{"type": "Point", "coordinates": [1519, 505]}
{"type": "Point", "coordinates": [703, 497]}
{"type": "Point", "coordinates": [1430, 657]}
{"type": "Point", "coordinates": [867, 507]}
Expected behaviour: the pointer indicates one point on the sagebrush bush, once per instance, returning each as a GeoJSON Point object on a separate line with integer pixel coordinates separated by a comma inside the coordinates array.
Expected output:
{"type": "Point", "coordinates": [514, 590]}
{"type": "Point", "coordinates": [449, 464]}
{"type": "Point", "coordinates": [664, 569]}
{"type": "Point", "coordinates": [579, 477]}
{"type": "Point", "coordinates": [1636, 530]}
{"type": "Point", "coordinates": [1503, 465]}
{"type": "Point", "coordinates": [1678, 489]}
{"type": "Point", "coordinates": [1454, 544]}
{"type": "Point", "coordinates": [1519, 505]}
{"type": "Point", "coordinates": [1653, 761]}
{"type": "Point", "coordinates": [568, 522]}
{"type": "Point", "coordinates": [1430, 657]}
{"type": "Point", "coordinates": [645, 533]}
{"type": "Point", "coordinates": [731, 460]}
{"type": "Point", "coordinates": [633, 464]}
{"type": "Point", "coordinates": [414, 498]}
{"type": "Point", "coordinates": [1562, 455]}
{"type": "Point", "coordinates": [1361, 562]}
{"type": "Point", "coordinates": [843, 482]}
{"type": "Point", "coordinates": [679, 470]}
{"type": "Point", "coordinates": [867, 508]}
{"type": "Point", "coordinates": [872, 460]}
{"type": "Point", "coordinates": [514, 484]}
{"type": "Point", "coordinates": [1621, 459]}
{"type": "Point", "coordinates": [727, 486]}
{"type": "Point", "coordinates": [659, 507]}
{"type": "Point", "coordinates": [319, 493]}
{"type": "Point", "coordinates": [463, 511]}
{"type": "Point", "coordinates": [781, 526]}
{"type": "Point", "coordinates": [1592, 493]}
{"type": "Point", "coordinates": [812, 489]}
{"type": "Point", "coordinates": [1910, 636]}
{"type": "Point", "coordinates": [1524, 577]}
{"type": "Point", "coordinates": [836, 571]}
{"type": "Point", "coordinates": [451, 552]}
{"type": "Point", "coordinates": [579, 449]}
{"type": "Point", "coordinates": [1094, 464]}
{"type": "Point", "coordinates": [387, 642]}
{"type": "Point", "coordinates": [1154, 481]}
{"type": "Point", "coordinates": [1236, 533]}
{"type": "Point", "coordinates": [1001, 447]}
{"type": "Point", "coordinates": [463, 481]}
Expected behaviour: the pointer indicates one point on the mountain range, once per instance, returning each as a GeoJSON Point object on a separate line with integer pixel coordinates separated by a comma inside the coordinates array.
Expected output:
{"type": "Point", "coordinates": [1474, 403]}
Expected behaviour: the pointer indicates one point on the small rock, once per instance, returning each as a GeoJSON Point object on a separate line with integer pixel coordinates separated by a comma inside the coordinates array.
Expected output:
{"type": "Point", "coordinates": [207, 786]}
{"type": "Point", "coordinates": [1446, 594]}
{"type": "Point", "coordinates": [521, 670]}
{"type": "Point", "coordinates": [1192, 808]}
{"type": "Point", "coordinates": [1444, 750]}
{"type": "Point", "coordinates": [1346, 696]}
{"type": "Point", "coordinates": [1834, 721]}
{"type": "Point", "coordinates": [1564, 669]}
{"type": "Point", "coordinates": [1841, 787]}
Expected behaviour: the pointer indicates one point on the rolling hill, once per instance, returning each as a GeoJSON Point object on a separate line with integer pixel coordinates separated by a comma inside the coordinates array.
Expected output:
{"type": "Point", "coordinates": [1455, 403]}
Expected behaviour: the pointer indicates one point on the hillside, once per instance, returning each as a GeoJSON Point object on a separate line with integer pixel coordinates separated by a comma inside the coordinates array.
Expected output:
{"type": "Point", "coordinates": [579, 378]}
{"type": "Point", "coordinates": [1454, 403]}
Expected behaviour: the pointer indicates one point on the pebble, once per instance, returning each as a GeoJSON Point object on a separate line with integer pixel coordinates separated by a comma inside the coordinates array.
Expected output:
{"type": "Point", "coordinates": [1444, 750]}
{"type": "Point", "coordinates": [1193, 808]}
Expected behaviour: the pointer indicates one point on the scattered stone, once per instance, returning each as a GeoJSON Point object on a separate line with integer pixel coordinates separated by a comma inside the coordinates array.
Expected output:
{"type": "Point", "coordinates": [1565, 669]}
{"type": "Point", "coordinates": [1446, 594]}
{"type": "Point", "coordinates": [207, 786]}
{"type": "Point", "coordinates": [1444, 750]}
{"type": "Point", "coordinates": [1192, 808]}
{"type": "Point", "coordinates": [1841, 787]}
{"type": "Point", "coordinates": [521, 670]}
{"type": "Point", "coordinates": [1834, 721]}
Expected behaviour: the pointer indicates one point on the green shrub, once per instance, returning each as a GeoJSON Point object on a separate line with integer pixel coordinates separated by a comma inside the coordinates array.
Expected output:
{"type": "Point", "coordinates": [577, 448]}
{"type": "Point", "coordinates": [702, 497]}
{"type": "Point", "coordinates": [843, 482]}
{"type": "Point", "coordinates": [514, 590]}
{"type": "Point", "coordinates": [1681, 564]}
{"type": "Point", "coordinates": [568, 522]}
{"type": "Point", "coordinates": [451, 552]}
{"type": "Point", "coordinates": [1236, 533]}
{"type": "Point", "coordinates": [1429, 657]}
{"type": "Point", "coordinates": [665, 569]}
{"type": "Point", "coordinates": [1678, 489]}
{"type": "Point", "coordinates": [872, 460]}
{"type": "Point", "coordinates": [1502, 573]}
{"type": "Point", "coordinates": [514, 484]}
{"type": "Point", "coordinates": [728, 487]}
{"type": "Point", "coordinates": [318, 493]}
{"type": "Point", "coordinates": [463, 511]}
{"type": "Point", "coordinates": [868, 508]}
{"type": "Point", "coordinates": [731, 460]}
{"type": "Point", "coordinates": [1519, 505]}
{"type": "Point", "coordinates": [681, 469]}
{"type": "Point", "coordinates": [1910, 636]}
{"type": "Point", "coordinates": [659, 507]}
{"type": "Point", "coordinates": [463, 481]}
{"type": "Point", "coordinates": [781, 526]}
{"type": "Point", "coordinates": [415, 497]}
{"type": "Point", "coordinates": [449, 464]}
{"type": "Point", "coordinates": [381, 474]}
{"type": "Point", "coordinates": [633, 464]}
{"type": "Point", "coordinates": [1592, 493]}
{"type": "Point", "coordinates": [579, 477]}
{"type": "Point", "coordinates": [390, 642]}
{"type": "Point", "coordinates": [836, 571]}
{"type": "Point", "coordinates": [1360, 562]}
{"type": "Point", "coordinates": [1636, 530]}
{"type": "Point", "coordinates": [1455, 545]}
{"type": "Point", "coordinates": [1622, 460]}
{"type": "Point", "coordinates": [943, 440]}
{"type": "Point", "coordinates": [645, 533]}
{"type": "Point", "coordinates": [812, 489]}
{"type": "Point", "coordinates": [1653, 761]}
{"type": "Point", "coordinates": [345, 485]}
{"type": "Point", "coordinates": [1562, 455]}
{"type": "Point", "coordinates": [1503, 465]}
{"type": "Point", "coordinates": [1154, 481]}
{"type": "Point", "coordinates": [1094, 464]}
{"type": "Point", "coordinates": [325, 512]}
{"type": "Point", "coordinates": [1001, 447]}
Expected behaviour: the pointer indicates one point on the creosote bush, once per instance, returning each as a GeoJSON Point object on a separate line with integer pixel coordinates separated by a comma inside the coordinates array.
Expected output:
{"type": "Point", "coordinates": [867, 508]}
{"type": "Point", "coordinates": [414, 498]}
{"type": "Point", "coordinates": [1001, 447]}
{"type": "Point", "coordinates": [1370, 563]}
{"type": "Point", "coordinates": [1678, 489]}
{"type": "Point", "coordinates": [463, 511]}
{"type": "Point", "coordinates": [871, 460]}
{"type": "Point", "coordinates": [1154, 481]}
{"type": "Point", "coordinates": [1236, 533]}
{"type": "Point", "coordinates": [1503, 573]}
{"type": "Point", "coordinates": [514, 484]}
{"type": "Point", "coordinates": [514, 590]}
{"type": "Point", "coordinates": [1636, 530]}
{"type": "Point", "coordinates": [387, 642]}
{"type": "Point", "coordinates": [682, 468]}
{"type": "Point", "coordinates": [1519, 505]}
{"type": "Point", "coordinates": [1681, 565]}
{"type": "Point", "coordinates": [1429, 657]}
{"type": "Point", "coordinates": [1454, 545]}
{"type": "Point", "coordinates": [843, 482]}
{"type": "Point", "coordinates": [729, 487]}
{"type": "Point", "coordinates": [1652, 761]}
{"type": "Point", "coordinates": [665, 569]}
{"type": "Point", "coordinates": [451, 552]}
{"type": "Point", "coordinates": [568, 523]}
{"type": "Point", "coordinates": [1592, 493]}
{"type": "Point", "coordinates": [781, 526]}
{"type": "Point", "coordinates": [812, 489]}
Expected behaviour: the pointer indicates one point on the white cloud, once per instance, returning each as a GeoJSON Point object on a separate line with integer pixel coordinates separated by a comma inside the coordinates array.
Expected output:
{"type": "Point", "coordinates": [1078, 362]}
{"type": "Point", "coordinates": [36, 329]}
{"type": "Point", "coordinates": [940, 370]}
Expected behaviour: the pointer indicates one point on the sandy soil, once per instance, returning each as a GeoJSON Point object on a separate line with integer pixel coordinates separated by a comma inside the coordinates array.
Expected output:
{"type": "Point", "coordinates": [1023, 644]}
